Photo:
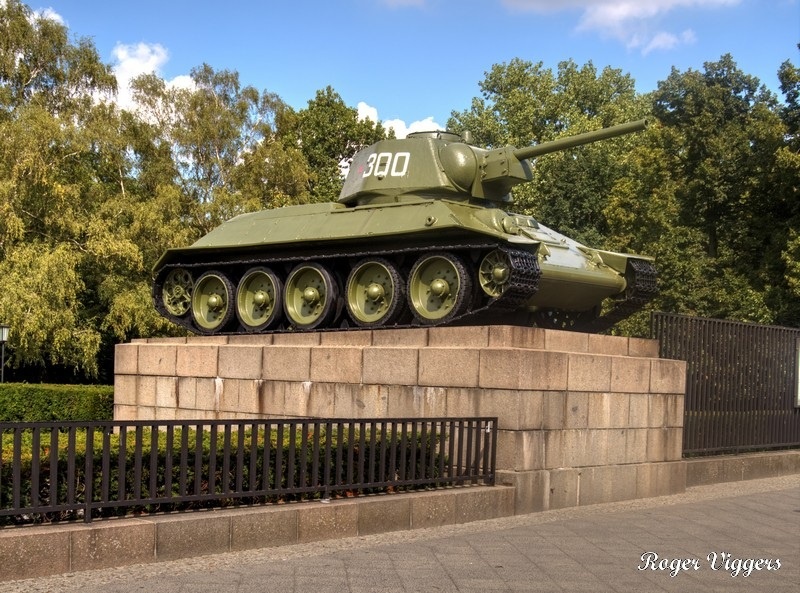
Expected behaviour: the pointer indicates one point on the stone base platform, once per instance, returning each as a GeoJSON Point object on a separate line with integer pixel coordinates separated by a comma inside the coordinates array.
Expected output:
{"type": "Point", "coordinates": [583, 418]}
{"type": "Point", "coordinates": [56, 549]}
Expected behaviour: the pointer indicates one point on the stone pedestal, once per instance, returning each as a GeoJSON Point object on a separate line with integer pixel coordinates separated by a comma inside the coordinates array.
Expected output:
{"type": "Point", "coordinates": [583, 418]}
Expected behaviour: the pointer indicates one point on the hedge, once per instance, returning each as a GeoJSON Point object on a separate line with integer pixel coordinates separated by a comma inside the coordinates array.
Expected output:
{"type": "Point", "coordinates": [31, 402]}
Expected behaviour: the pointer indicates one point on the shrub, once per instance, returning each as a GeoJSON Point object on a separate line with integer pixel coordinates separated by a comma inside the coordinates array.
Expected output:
{"type": "Point", "coordinates": [25, 402]}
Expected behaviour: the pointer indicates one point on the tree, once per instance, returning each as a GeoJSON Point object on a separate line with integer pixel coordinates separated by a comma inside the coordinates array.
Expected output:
{"type": "Point", "coordinates": [516, 108]}
{"type": "Point", "coordinates": [53, 174]}
{"type": "Point", "coordinates": [226, 143]}
{"type": "Point", "coordinates": [39, 65]}
{"type": "Point", "coordinates": [524, 103]}
{"type": "Point", "coordinates": [91, 195]}
{"type": "Point", "coordinates": [329, 134]}
{"type": "Point", "coordinates": [701, 196]}
{"type": "Point", "coordinates": [710, 190]}
{"type": "Point", "coordinates": [786, 182]}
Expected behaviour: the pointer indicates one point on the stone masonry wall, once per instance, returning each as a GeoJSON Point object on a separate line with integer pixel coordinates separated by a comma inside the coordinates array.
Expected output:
{"type": "Point", "coordinates": [583, 418]}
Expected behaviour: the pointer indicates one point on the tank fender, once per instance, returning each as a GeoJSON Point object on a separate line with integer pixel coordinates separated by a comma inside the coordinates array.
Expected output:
{"type": "Point", "coordinates": [618, 261]}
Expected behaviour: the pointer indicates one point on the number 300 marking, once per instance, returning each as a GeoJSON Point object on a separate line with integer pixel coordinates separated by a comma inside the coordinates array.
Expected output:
{"type": "Point", "coordinates": [381, 164]}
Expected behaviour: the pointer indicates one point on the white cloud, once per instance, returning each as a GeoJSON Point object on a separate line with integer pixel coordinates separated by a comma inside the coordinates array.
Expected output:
{"type": "Point", "coordinates": [632, 22]}
{"type": "Point", "coordinates": [667, 41]}
{"type": "Point", "coordinates": [184, 81]}
{"type": "Point", "coordinates": [130, 61]}
{"type": "Point", "coordinates": [137, 59]}
{"type": "Point", "coordinates": [367, 112]}
{"type": "Point", "coordinates": [49, 13]}
{"type": "Point", "coordinates": [547, 5]}
{"type": "Point", "coordinates": [401, 129]}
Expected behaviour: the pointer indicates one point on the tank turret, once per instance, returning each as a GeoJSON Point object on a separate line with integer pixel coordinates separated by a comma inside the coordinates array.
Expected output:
{"type": "Point", "coordinates": [421, 235]}
{"type": "Point", "coordinates": [442, 163]}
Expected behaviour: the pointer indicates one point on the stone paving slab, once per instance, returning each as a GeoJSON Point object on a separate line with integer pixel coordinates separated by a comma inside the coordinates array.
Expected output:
{"type": "Point", "coordinates": [597, 548]}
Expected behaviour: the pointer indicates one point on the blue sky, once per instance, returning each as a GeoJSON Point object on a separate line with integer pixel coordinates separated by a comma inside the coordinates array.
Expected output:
{"type": "Point", "coordinates": [419, 60]}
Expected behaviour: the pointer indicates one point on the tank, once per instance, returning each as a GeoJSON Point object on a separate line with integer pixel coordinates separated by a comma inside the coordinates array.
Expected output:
{"type": "Point", "coordinates": [423, 234]}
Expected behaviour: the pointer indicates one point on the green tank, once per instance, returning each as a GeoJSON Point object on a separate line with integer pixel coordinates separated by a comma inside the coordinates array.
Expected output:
{"type": "Point", "coordinates": [422, 235]}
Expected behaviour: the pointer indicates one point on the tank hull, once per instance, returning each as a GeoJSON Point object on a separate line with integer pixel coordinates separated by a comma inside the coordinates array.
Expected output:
{"type": "Point", "coordinates": [408, 260]}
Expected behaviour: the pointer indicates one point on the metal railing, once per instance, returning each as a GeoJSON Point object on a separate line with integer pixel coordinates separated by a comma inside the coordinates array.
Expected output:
{"type": "Point", "coordinates": [85, 470]}
{"type": "Point", "coordinates": [741, 382]}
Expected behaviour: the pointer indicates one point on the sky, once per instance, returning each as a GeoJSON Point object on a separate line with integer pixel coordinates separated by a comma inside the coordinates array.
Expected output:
{"type": "Point", "coordinates": [411, 63]}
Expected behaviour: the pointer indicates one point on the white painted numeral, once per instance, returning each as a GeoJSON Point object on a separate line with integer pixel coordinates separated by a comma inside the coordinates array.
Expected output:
{"type": "Point", "coordinates": [384, 161]}
{"type": "Point", "coordinates": [394, 164]}
{"type": "Point", "coordinates": [400, 157]}
{"type": "Point", "coordinates": [370, 164]}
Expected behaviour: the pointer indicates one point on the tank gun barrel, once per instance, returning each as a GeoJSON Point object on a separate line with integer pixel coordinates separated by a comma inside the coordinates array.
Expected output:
{"type": "Point", "coordinates": [529, 152]}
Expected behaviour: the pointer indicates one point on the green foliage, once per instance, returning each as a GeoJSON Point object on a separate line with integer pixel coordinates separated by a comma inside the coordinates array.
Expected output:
{"type": "Point", "coordinates": [224, 151]}
{"type": "Point", "coordinates": [91, 195]}
{"type": "Point", "coordinates": [524, 103]}
{"type": "Point", "coordinates": [710, 190]}
{"type": "Point", "coordinates": [792, 259]}
{"type": "Point", "coordinates": [709, 195]}
{"type": "Point", "coordinates": [330, 133]}
{"type": "Point", "coordinates": [39, 65]}
{"type": "Point", "coordinates": [24, 402]}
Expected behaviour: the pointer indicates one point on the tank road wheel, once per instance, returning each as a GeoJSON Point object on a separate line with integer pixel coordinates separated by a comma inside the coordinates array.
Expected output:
{"type": "Point", "coordinates": [176, 292]}
{"type": "Point", "coordinates": [374, 293]}
{"type": "Point", "coordinates": [259, 299]}
{"type": "Point", "coordinates": [439, 288]}
{"type": "Point", "coordinates": [212, 302]}
{"type": "Point", "coordinates": [494, 272]}
{"type": "Point", "coordinates": [310, 296]}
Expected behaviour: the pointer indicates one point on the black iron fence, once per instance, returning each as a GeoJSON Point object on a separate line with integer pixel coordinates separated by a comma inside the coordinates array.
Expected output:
{"type": "Point", "coordinates": [741, 383]}
{"type": "Point", "coordinates": [84, 470]}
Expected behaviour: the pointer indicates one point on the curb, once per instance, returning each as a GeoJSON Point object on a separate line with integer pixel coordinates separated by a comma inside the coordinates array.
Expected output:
{"type": "Point", "coordinates": [46, 550]}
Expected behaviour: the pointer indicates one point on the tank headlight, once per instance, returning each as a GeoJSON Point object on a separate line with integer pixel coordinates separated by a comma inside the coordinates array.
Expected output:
{"type": "Point", "coordinates": [509, 226]}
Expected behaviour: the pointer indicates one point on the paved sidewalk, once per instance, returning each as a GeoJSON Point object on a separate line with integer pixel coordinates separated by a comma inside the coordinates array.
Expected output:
{"type": "Point", "coordinates": [753, 527]}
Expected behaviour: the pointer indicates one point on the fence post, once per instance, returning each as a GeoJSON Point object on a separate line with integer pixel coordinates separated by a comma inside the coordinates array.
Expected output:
{"type": "Point", "coordinates": [89, 474]}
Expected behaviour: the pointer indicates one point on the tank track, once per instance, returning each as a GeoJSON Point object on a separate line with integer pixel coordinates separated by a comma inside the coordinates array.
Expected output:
{"type": "Point", "coordinates": [522, 284]}
{"type": "Point", "coordinates": [642, 288]}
